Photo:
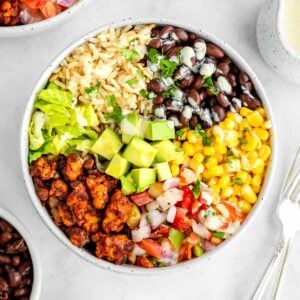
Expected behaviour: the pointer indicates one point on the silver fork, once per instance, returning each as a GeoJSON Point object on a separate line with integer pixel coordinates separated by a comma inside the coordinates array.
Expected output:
{"type": "Point", "coordinates": [289, 214]}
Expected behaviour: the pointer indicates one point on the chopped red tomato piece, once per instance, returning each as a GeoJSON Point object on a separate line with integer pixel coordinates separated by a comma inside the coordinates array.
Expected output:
{"type": "Point", "coordinates": [151, 247]}
{"type": "Point", "coordinates": [141, 198]}
{"type": "Point", "coordinates": [34, 4]}
{"type": "Point", "coordinates": [49, 10]}
{"type": "Point", "coordinates": [161, 231]}
{"type": "Point", "coordinates": [185, 252]}
{"type": "Point", "coordinates": [234, 214]}
{"type": "Point", "coordinates": [188, 199]}
{"type": "Point", "coordinates": [193, 238]}
{"type": "Point", "coordinates": [181, 221]}
{"type": "Point", "coordinates": [143, 261]}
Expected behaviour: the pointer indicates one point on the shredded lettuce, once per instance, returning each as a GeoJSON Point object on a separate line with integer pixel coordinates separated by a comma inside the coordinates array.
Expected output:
{"type": "Point", "coordinates": [57, 127]}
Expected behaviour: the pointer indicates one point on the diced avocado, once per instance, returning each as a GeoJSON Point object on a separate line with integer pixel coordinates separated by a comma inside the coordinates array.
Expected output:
{"type": "Point", "coordinates": [127, 186]}
{"type": "Point", "coordinates": [132, 125]}
{"type": "Point", "coordinates": [166, 151]}
{"type": "Point", "coordinates": [143, 178]}
{"type": "Point", "coordinates": [139, 152]}
{"type": "Point", "coordinates": [160, 130]}
{"type": "Point", "coordinates": [118, 166]}
{"type": "Point", "coordinates": [108, 144]}
{"type": "Point", "coordinates": [163, 171]}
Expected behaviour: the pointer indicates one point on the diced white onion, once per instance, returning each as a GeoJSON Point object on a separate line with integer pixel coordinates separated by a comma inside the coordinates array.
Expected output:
{"type": "Point", "coordinates": [168, 198]}
{"type": "Point", "coordinates": [152, 206]}
{"type": "Point", "coordinates": [155, 218]}
{"type": "Point", "coordinates": [171, 214]}
{"type": "Point", "coordinates": [207, 197]}
{"type": "Point", "coordinates": [200, 230]}
{"type": "Point", "coordinates": [141, 233]}
{"type": "Point", "coordinates": [170, 183]}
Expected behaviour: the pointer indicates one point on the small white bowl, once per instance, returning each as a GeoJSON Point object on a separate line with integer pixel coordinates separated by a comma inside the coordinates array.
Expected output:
{"type": "Point", "coordinates": [29, 29]}
{"type": "Point", "coordinates": [37, 271]}
{"type": "Point", "coordinates": [239, 61]}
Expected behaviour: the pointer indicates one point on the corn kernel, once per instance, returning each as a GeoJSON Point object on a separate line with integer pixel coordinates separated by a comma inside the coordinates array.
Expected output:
{"type": "Point", "coordinates": [224, 181]}
{"type": "Point", "coordinates": [177, 144]}
{"type": "Point", "coordinates": [256, 189]}
{"type": "Point", "coordinates": [241, 177]}
{"type": "Point", "coordinates": [244, 111]}
{"type": "Point", "coordinates": [237, 190]}
{"type": "Point", "coordinates": [262, 134]}
{"type": "Point", "coordinates": [252, 156]}
{"type": "Point", "coordinates": [262, 111]}
{"type": "Point", "coordinates": [255, 119]}
{"type": "Point", "coordinates": [219, 157]}
{"type": "Point", "coordinates": [211, 162]}
{"type": "Point", "coordinates": [256, 180]}
{"type": "Point", "coordinates": [213, 181]}
{"type": "Point", "coordinates": [244, 206]}
{"type": "Point", "coordinates": [174, 169]}
{"type": "Point", "coordinates": [259, 166]}
{"type": "Point", "coordinates": [198, 145]}
{"type": "Point", "coordinates": [248, 194]}
{"type": "Point", "coordinates": [233, 199]}
{"type": "Point", "coordinates": [209, 151]}
{"type": "Point", "coordinates": [229, 124]}
{"type": "Point", "coordinates": [244, 125]}
{"type": "Point", "coordinates": [199, 157]}
{"type": "Point", "coordinates": [251, 143]}
{"type": "Point", "coordinates": [220, 148]}
{"type": "Point", "coordinates": [233, 165]}
{"type": "Point", "coordinates": [267, 125]}
{"type": "Point", "coordinates": [191, 136]}
{"type": "Point", "coordinates": [264, 152]}
{"type": "Point", "coordinates": [227, 192]}
{"type": "Point", "coordinates": [215, 188]}
{"type": "Point", "coordinates": [206, 175]}
{"type": "Point", "coordinates": [196, 166]}
{"type": "Point", "coordinates": [216, 170]}
{"type": "Point", "coordinates": [188, 148]}
{"type": "Point", "coordinates": [231, 138]}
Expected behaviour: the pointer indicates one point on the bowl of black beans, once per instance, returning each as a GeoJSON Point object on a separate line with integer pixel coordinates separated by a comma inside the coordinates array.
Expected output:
{"type": "Point", "coordinates": [20, 271]}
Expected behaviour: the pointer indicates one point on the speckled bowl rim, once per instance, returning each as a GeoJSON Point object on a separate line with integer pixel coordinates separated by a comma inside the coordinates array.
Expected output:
{"type": "Point", "coordinates": [239, 61]}
{"type": "Point", "coordinates": [37, 271]}
{"type": "Point", "coordinates": [29, 29]}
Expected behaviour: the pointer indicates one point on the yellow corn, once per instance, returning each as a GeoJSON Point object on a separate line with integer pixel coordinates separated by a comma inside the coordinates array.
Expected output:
{"type": "Point", "coordinates": [237, 190]}
{"type": "Point", "coordinates": [256, 180]}
{"type": "Point", "coordinates": [211, 162]}
{"type": "Point", "coordinates": [233, 199]}
{"type": "Point", "coordinates": [244, 206]}
{"type": "Point", "coordinates": [262, 111]}
{"type": "Point", "coordinates": [244, 111]}
{"type": "Point", "coordinates": [251, 143]}
{"type": "Point", "coordinates": [262, 134]}
{"type": "Point", "coordinates": [264, 152]}
{"type": "Point", "coordinates": [229, 123]}
{"type": "Point", "coordinates": [255, 119]}
{"type": "Point", "coordinates": [188, 148]}
{"type": "Point", "coordinates": [196, 166]}
{"type": "Point", "coordinates": [248, 194]}
{"type": "Point", "coordinates": [213, 181]}
{"type": "Point", "coordinates": [209, 151]}
{"type": "Point", "coordinates": [231, 138]}
{"type": "Point", "coordinates": [233, 165]}
{"type": "Point", "coordinates": [177, 144]}
{"type": "Point", "coordinates": [219, 157]}
{"type": "Point", "coordinates": [191, 136]}
{"type": "Point", "coordinates": [258, 166]}
{"type": "Point", "coordinates": [206, 175]}
{"type": "Point", "coordinates": [267, 125]}
{"type": "Point", "coordinates": [224, 181]}
{"type": "Point", "coordinates": [198, 145]}
{"type": "Point", "coordinates": [215, 188]}
{"type": "Point", "coordinates": [245, 126]}
{"type": "Point", "coordinates": [241, 177]}
{"type": "Point", "coordinates": [227, 192]}
{"type": "Point", "coordinates": [199, 157]}
{"type": "Point", "coordinates": [256, 189]}
{"type": "Point", "coordinates": [174, 169]}
{"type": "Point", "coordinates": [216, 170]}
{"type": "Point", "coordinates": [252, 156]}
{"type": "Point", "coordinates": [220, 148]}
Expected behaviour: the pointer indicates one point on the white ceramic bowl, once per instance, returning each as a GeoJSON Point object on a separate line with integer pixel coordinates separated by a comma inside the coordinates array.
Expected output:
{"type": "Point", "coordinates": [37, 271]}
{"type": "Point", "coordinates": [240, 62]}
{"type": "Point", "coordinates": [29, 29]}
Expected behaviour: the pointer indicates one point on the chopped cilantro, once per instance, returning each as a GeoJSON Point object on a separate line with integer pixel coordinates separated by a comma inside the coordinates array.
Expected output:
{"type": "Point", "coordinates": [206, 159]}
{"type": "Point", "coordinates": [209, 213]}
{"type": "Point", "coordinates": [111, 100]}
{"type": "Point", "coordinates": [208, 83]}
{"type": "Point", "coordinates": [129, 54]}
{"type": "Point", "coordinates": [179, 133]}
{"type": "Point", "coordinates": [238, 181]}
{"type": "Point", "coordinates": [246, 129]}
{"type": "Point", "coordinates": [230, 153]}
{"type": "Point", "coordinates": [115, 115]}
{"type": "Point", "coordinates": [144, 93]}
{"type": "Point", "coordinates": [153, 55]}
{"type": "Point", "coordinates": [131, 82]}
{"type": "Point", "coordinates": [93, 90]}
{"type": "Point", "coordinates": [228, 161]}
{"type": "Point", "coordinates": [219, 234]}
{"type": "Point", "coordinates": [167, 67]}
{"type": "Point", "coordinates": [140, 74]}
{"type": "Point", "coordinates": [243, 141]}
{"type": "Point", "coordinates": [196, 189]}
{"type": "Point", "coordinates": [207, 141]}
{"type": "Point", "coordinates": [178, 150]}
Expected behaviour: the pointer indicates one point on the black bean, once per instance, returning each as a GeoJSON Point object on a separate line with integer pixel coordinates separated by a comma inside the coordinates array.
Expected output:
{"type": "Point", "coordinates": [3, 285]}
{"type": "Point", "coordinates": [25, 268]}
{"type": "Point", "coordinates": [220, 111]}
{"type": "Point", "coordinates": [181, 35]}
{"type": "Point", "coordinates": [223, 100]}
{"type": "Point", "coordinates": [5, 227]}
{"type": "Point", "coordinates": [232, 79]}
{"type": "Point", "coordinates": [155, 32]}
{"type": "Point", "coordinates": [184, 121]}
{"type": "Point", "coordinates": [16, 246]}
{"type": "Point", "coordinates": [5, 237]}
{"type": "Point", "coordinates": [21, 292]}
{"type": "Point", "coordinates": [214, 51]}
{"type": "Point", "coordinates": [166, 31]}
{"type": "Point", "coordinates": [174, 51]}
{"type": "Point", "coordinates": [250, 102]}
{"type": "Point", "coordinates": [14, 278]}
{"type": "Point", "coordinates": [16, 260]}
{"type": "Point", "coordinates": [194, 98]}
{"type": "Point", "coordinates": [194, 121]}
{"type": "Point", "coordinates": [192, 36]}
{"type": "Point", "coordinates": [243, 78]}
{"type": "Point", "coordinates": [187, 81]}
{"type": "Point", "coordinates": [4, 259]}
{"type": "Point", "coordinates": [224, 68]}
{"type": "Point", "coordinates": [159, 99]}
{"type": "Point", "coordinates": [155, 43]}
{"type": "Point", "coordinates": [167, 45]}
{"type": "Point", "coordinates": [211, 102]}
{"type": "Point", "coordinates": [198, 82]}
{"type": "Point", "coordinates": [155, 85]}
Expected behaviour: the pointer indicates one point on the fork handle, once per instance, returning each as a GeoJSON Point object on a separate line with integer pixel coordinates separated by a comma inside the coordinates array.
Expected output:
{"type": "Point", "coordinates": [277, 263]}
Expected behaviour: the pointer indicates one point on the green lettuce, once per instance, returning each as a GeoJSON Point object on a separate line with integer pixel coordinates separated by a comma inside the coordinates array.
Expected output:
{"type": "Point", "coordinates": [85, 115]}
{"type": "Point", "coordinates": [36, 137]}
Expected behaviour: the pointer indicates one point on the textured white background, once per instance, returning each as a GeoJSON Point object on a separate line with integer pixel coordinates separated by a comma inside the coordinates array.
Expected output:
{"type": "Point", "coordinates": [231, 274]}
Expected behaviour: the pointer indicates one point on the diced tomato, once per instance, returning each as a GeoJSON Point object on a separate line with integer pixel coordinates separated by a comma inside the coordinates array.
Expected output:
{"type": "Point", "coordinates": [143, 261]}
{"type": "Point", "coordinates": [185, 252]}
{"type": "Point", "coordinates": [234, 214]}
{"type": "Point", "coordinates": [34, 4]}
{"type": "Point", "coordinates": [161, 231]}
{"type": "Point", "coordinates": [141, 198]}
{"type": "Point", "coordinates": [188, 199]}
{"type": "Point", "coordinates": [49, 10]}
{"type": "Point", "coordinates": [151, 247]}
{"type": "Point", "coordinates": [181, 221]}
{"type": "Point", "coordinates": [196, 207]}
{"type": "Point", "coordinates": [193, 238]}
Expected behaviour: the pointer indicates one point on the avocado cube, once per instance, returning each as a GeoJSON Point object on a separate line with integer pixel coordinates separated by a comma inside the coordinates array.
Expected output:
{"type": "Point", "coordinates": [163, 171]}
{"type": "Point", "coordinates": [166, 151]}
{"type": "Point", "coordinates": [128, 186]}
{"type": "Point", "coordinates": [143, 178]}
{"type": "Point", "coordinates": [139, 152]}
{"type": "Point", "coordinates": [117, 167]}
{"type": "Point", "coordinates": [132, 125]}
{"type": "Point", "coordinates": [108, 144]}
{"type": "Point", "coordinates": [160, 130]}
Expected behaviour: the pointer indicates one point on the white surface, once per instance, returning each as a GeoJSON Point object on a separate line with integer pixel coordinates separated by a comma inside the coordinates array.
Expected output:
{"type": "Point", "coordinates": [231, 274]}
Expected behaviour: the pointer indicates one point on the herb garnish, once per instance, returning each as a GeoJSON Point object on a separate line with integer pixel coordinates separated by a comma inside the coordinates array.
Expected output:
{"type": "Point", "coordinates": [131, 82]}
{"type": "Point", "coordinates": [116, 115]}
{"type": "Point", "coordinates": [246, 129]}
{"type": "Point", "coordinates": [206, 141]}
{"type": "Point", "coordinates": [144, 93]}
{"type": "Point", "coordinates": [243, 141]}
{"type": "Point", "coordinates": [92, 91]}
{"type": "Point", "coordinates": [238, 181]}
{"type": "Point", "coordinates": [153, 55]}
{"type": "Point", "coordinates": [179, 133]}
{"type": "Point", "coordinates": [178, 150]}
{"type": "Point", "coordinates": [208, 83]}
{"type": "Point", "coordinates": [230, 153]}
{"type": "Point", "coordinates": [140, 74]}
{"type": "Point", "coordinates": [219, 234]}
{"type": "Point", "coordinates": [209, 213]}
{"type": "Point", "coordinates": [196, 189]}
{"type": "Point", "coordinates": [111, 100]}
{"type": "Point", "coordinates": [129, 54]}
{"type": "Point", "coordinates": [167, 67]}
